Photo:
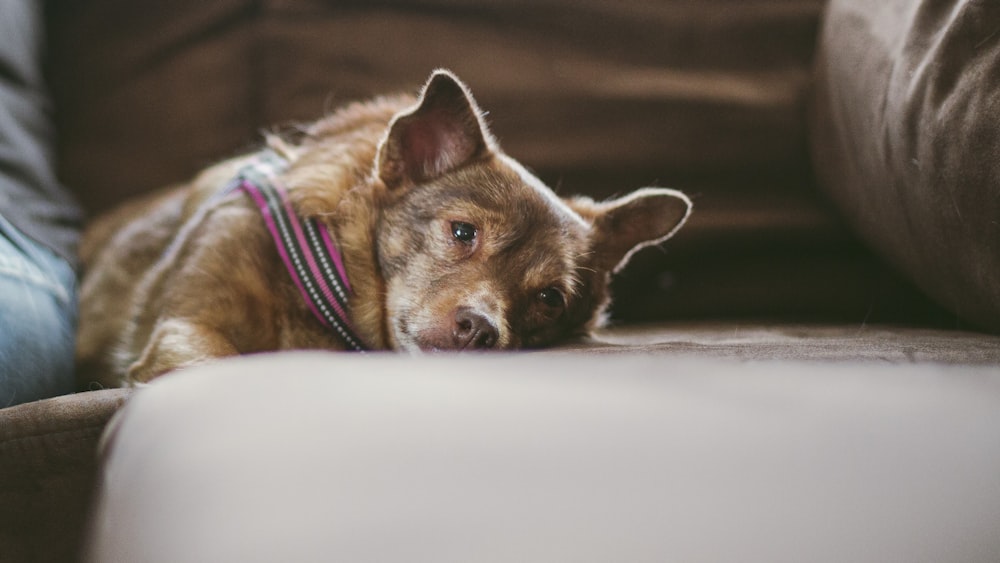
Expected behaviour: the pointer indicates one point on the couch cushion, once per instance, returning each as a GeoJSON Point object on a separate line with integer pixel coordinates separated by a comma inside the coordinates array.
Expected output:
{"type": "Point", "coordinates": [48, 465]}
{"type": "Point", "coordinates": [47, 448]}
{"type": "Point", "coordinates": [906, 139]}
{"type": "Point", "coordinates": [307, 457]}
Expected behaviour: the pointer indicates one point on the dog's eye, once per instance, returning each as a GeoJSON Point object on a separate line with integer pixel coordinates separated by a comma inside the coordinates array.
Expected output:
{"type": "Point", "coordinates": [551, 297]}
{"type": "Point", "coordinates": [463, 232]}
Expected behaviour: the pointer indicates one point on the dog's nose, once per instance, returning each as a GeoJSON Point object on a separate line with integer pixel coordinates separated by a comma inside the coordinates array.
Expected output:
{"type": "Point", "coordinates": [474, 330]}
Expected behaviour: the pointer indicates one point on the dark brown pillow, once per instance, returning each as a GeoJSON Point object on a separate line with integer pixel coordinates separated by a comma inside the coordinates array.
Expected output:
{"type": "Point", "coordinates": [906, 139]}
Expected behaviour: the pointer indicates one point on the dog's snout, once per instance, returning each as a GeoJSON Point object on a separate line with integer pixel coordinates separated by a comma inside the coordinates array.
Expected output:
{"type": "Point", "coordinates": [474, 330]}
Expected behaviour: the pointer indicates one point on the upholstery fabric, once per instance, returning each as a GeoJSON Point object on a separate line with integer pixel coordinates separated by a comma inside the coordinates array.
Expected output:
{"type": "Point", "coordinates": [149, 92]}
{"type": "Point", "coordinates": [48, 467]}
{"type": "Point", "coordinates": [790, 342]}
{"type": "Point", "coordinates": [598, 98]}
{"type": "Point", "coordinates": [314, 457]}
{"type": "Point", "coordinates": [906, 139]}
{"type": "Point", "coordinates": [48, 448]}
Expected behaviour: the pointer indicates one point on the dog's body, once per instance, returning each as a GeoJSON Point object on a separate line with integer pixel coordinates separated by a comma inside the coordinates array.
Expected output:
{"type": "Point", "coordinates": [447, 242]}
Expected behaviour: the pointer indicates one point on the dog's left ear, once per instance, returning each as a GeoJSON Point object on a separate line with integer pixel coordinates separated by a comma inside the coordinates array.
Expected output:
{"type": "Point", "coordinates": [623, 226]}
{"type": "Point", "coordinates": [442, 132]}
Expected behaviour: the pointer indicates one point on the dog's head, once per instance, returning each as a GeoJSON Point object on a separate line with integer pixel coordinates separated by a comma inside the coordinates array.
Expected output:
{"type": "Point", "coordinates": [476, 252]}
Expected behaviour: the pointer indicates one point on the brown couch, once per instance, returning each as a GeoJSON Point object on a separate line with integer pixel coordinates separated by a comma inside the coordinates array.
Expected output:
{"type": "Point", "coordinates": [830, 183]}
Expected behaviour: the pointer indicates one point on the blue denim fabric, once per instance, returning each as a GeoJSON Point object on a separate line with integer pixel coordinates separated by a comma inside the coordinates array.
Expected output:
{"type": "Point", "coordinates": [38, 310]}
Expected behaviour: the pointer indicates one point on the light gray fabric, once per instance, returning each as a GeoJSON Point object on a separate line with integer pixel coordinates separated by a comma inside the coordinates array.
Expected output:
{"type": "Point", "coordinates": [318, 457]}
{"type": "Point", "coordinates": [47, 448]}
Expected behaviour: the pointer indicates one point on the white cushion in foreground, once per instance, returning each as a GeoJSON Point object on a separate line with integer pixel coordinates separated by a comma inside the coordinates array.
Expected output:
{"type": "Point", "coordinates": [321, 457]}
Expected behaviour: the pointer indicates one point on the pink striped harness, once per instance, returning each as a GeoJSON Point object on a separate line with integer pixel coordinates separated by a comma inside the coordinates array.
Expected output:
{"type": "Point", "coordinates": [305, 245]}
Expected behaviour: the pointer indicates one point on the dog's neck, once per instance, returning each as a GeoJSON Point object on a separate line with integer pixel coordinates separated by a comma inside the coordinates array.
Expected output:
{"type": "Point", "coordinates": [354, 225]}
{"type": "Point", "coordinates": [305, 245]}
{"type": "Point", "coordinates": [344, 200]}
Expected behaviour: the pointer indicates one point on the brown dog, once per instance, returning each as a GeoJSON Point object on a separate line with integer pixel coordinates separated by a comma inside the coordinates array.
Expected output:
{"type": "Point", "coordinates": [441, 241]}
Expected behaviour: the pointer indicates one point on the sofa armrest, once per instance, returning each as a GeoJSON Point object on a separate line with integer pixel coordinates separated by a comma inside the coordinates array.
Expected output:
{"type": "Point", "coordinates": [48, 463]}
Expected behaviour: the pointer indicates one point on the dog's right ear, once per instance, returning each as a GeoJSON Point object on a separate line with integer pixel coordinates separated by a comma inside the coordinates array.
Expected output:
{"type": "Point", "coordinates": [442, 132]}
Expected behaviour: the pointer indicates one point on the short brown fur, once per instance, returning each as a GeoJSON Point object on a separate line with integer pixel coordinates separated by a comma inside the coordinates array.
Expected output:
{"type": "Point", "coordinates": [179, 278]}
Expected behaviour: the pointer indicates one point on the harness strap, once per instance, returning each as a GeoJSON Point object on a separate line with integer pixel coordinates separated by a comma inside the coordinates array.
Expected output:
{"type": "Point", "coordinates": [305, 246]}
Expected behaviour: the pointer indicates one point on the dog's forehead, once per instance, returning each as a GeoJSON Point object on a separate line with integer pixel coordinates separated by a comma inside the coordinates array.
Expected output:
{"type": "Point", "coordinates": [530, 233]}
{"type": "Point", "coordinates": [503, 193]}
{"type": "Point", "coordinates": [532, 182]}
{"type": "Point", "coordinates": [541, 222]}
{"type": "Point", "coordinates": [549, 237]}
